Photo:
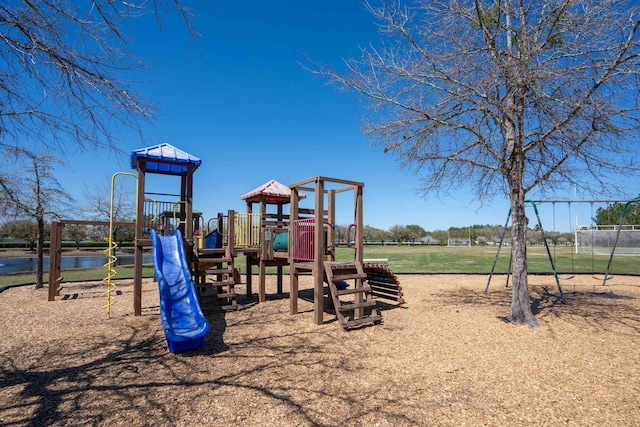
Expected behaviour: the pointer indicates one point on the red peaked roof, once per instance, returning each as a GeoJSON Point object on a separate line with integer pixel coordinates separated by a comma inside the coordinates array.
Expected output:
{"type": "Point", "coordinates": [273, 191]}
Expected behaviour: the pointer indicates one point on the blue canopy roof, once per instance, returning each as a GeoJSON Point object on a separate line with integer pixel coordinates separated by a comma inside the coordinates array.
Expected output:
{"type": "Point", "coordinates": [171, 160]}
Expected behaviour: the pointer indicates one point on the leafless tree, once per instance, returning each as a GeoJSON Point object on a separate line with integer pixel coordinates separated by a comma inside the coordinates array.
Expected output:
{"type": "Point", "coordinates": [31, 190]}
{"type": "Point", "coordinates": [65, 80]}
{"type": "Point", "coordinates": [77, 233]}
{"type": "Point", "coordinates": [98, 207]}
{"type": "Point", "coordinates": [509, 95]}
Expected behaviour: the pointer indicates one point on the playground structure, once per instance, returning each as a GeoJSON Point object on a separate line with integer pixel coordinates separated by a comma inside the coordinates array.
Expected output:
{"type": "Point", "coordinates": [273, 232]}
{"type": "Point", "coordinates": [304, 240]}
{"type": "Point", "coordinates": [272, 237]}
{"type": "Point", "coordinates": [166, 160]}
{"type": "Point", "coordinates": [312, 249]}
{"type": "Point", "coordinates": [55, 252]}
{"type": "Point", "coordinates": [253, 234]}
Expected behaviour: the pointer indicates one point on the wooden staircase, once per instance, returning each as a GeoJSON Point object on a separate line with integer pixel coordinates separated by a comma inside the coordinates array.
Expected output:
{"type": "Point", "coordinates": [218, 264]}
{"type": "Point", "coordinates": [354, 306]}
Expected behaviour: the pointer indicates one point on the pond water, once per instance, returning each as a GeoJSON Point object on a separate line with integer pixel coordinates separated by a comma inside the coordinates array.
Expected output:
{"type": "Point", "coordinates": [28, 265]}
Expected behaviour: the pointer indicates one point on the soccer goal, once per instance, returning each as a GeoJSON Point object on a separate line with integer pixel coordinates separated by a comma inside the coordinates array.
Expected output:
{"type": "Point", "coordinates": [599, 240]}
{"type": "Point", "coordinates": [459, 242]}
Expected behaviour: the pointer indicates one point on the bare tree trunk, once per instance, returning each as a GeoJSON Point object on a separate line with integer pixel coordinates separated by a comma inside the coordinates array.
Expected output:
{"type": "Point", "coordinates": [520, 311]}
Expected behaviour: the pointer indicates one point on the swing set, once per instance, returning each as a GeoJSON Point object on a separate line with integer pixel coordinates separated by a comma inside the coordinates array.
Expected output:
{"type": "Point", "coordinates": [552, 256]}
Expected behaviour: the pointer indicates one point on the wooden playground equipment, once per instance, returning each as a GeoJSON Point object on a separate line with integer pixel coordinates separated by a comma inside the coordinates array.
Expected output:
{"type": "Point", "coordinates": [304, 240]}
{"type": "Point", "coordinates": [311, 240]}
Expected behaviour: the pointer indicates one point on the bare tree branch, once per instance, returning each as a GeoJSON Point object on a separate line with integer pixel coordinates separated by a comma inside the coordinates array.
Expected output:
{"type": "Point", "coordinates": [65, 76]}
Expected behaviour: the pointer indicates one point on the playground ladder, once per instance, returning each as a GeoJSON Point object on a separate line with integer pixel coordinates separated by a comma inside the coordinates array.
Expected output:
{"type": "Point", "coordinates": [218, 263]}
{"type": "Point", "coordinates": [354, 306]}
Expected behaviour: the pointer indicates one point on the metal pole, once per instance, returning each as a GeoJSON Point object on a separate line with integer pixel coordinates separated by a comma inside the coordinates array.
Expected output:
{"type": "Point", "coordinates": [615, 243]}
{"type": "Point", "coordinates": [546, 245]}
{"type": "Point", "coordinates": [495, 260]}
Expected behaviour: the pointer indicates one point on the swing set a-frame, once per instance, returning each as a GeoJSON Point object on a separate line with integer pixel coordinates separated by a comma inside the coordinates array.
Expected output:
{"type": "Point", "coordinates": [560, 296]}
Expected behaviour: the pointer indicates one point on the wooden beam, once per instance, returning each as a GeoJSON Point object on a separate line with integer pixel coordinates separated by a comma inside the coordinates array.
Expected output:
{"type": "Point", "coordinates": [55, 242]}
{"type": "Point", "coordinates": [359, 255]}
{"type": "Point", "coordinates": [98, 223]}
{"type": "Point", "coordinates": [293, 273]}
{"type": "Point", "coordinates": [137, 257]}
{"type": "Point", "coordinates": [318, 255]}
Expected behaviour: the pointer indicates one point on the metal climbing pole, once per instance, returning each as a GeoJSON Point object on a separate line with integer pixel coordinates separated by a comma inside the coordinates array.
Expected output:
{"type": "Point", "coordinates": [111, 259]}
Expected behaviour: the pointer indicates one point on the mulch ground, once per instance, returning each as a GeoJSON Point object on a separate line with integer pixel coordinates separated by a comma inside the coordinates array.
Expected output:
{"type": "Point", "coordinates": [445, 359]}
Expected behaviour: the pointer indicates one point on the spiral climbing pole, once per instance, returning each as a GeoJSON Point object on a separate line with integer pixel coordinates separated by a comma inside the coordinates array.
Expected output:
{"type": "Point", "coordinates": [111, 272]}
{"type": "Point", "coordinates": [111, 258]}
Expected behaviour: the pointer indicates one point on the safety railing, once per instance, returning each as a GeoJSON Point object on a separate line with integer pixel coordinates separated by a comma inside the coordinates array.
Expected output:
{"type": "Point", "coordinates": [303, 232]}
{"type": "Point", "coordinates": [246, 230]}
{"type": "Point", "coordinates": [158, 216]}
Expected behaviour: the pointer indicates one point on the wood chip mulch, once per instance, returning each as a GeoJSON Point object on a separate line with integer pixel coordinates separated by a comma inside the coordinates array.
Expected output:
{"type": "Point", "coordinates": [445, 359]}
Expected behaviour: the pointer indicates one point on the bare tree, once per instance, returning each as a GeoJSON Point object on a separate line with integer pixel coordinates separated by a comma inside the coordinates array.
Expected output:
{"type": "Point", "coordinates": [398, 233]}
{"type": "Point", "coordinates": [65, 79]}
{"type": "Point", "coordinates": [440, 236]}
{"type": "Point", "coordinates": [77, 233]}
{"type": "Point", "coordinates": [509, 95]}
{"type": "Point", "coordinates": [32, 191]}
{"type": "Point", "coordinates": [415, 232]}
{"type": "Point", "coordinates": [98, 203]}
{"type": "Point", "coordinates": [372, 234]}
{"type": "Point", "coordinates": [98, 207]}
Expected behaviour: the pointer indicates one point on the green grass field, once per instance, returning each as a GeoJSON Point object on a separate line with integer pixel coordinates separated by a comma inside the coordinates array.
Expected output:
{"type": "Point", "coordinates": [479, 259]}
{"type": "Point", "coordinates": [417, 259]}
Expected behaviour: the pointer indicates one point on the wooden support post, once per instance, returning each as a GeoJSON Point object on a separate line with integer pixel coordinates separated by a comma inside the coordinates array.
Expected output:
{"type": "Point", "coordinates": [262, 292]}
{"type": "Point", "coordinates": [331, 218]}
{"type": "Point", "coordinates": [318, 254]}
{"type": "Point", "coordinates": [293, 290]}
{"type": "Point", "coordinates": [359, 255]}
{"type": "Point", "coordinates": [248, 264]}
{"type": "Point", "coordinates": [137, 255]}
{"type": "Point", "coordinates": [293, 273]}
{"type": "Point", "coordinates": [279, 285]}
{"type": "Point", "coordinates": [55, 259]}
{"type": "Point", "coordinates": [186, 215]}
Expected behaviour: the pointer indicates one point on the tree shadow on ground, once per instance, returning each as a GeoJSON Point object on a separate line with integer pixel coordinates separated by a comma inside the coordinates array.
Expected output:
{"type": "Point", "coordinates": [590, 308]}
{"type": "Point", "coordinates": [102, 382]}
{"type": "Point", "coordinates": [587, 307]}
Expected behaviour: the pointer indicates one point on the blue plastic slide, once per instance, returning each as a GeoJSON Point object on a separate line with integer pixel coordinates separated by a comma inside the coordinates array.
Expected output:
{"type": "Point", "coordinates": [182, 320]}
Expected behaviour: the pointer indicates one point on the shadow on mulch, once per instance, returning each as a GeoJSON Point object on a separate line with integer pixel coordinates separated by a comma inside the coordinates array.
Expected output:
{"type": "Point", "coordinates": [593, 309]}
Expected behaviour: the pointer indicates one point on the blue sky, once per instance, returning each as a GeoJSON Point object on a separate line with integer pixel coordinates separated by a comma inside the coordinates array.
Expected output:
{"type": "Point", "coordinates": [241, 101]}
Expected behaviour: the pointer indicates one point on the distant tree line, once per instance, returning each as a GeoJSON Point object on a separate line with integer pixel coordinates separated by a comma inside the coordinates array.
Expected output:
{"type": "Point", "coordinates": [25, 232]}
{"type": "Point", "coordinates": [480, 235]}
